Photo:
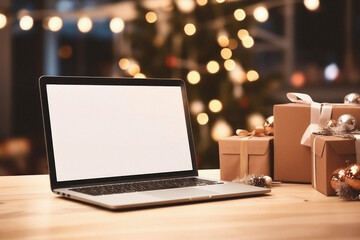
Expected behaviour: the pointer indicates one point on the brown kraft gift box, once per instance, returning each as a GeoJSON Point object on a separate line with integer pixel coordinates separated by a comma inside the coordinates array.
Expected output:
{"type": "Point", "coordinates": [260, 156]}
{"type": "Point", "coordinates": [329, 154]}
{"type": "Point", "coordinates": [292, 161]}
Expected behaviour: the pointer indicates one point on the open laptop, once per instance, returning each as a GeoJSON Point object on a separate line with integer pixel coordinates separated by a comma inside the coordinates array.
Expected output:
{"type": "Point", "coordinates": [124, 143]}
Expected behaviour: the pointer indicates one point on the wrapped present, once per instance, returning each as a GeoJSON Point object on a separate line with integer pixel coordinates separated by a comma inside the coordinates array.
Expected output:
{"type": "Point", "coordinates": [245, 155]}
{"type": "Point", "coordinates": [328, 154]}
{"type": "Point", "coordinates": [295, 122]}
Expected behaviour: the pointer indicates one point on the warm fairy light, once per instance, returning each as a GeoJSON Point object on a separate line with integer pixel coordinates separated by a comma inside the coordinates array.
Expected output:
{"type": "Point", "coordinates": [186, 6]}
{"type": "Point", "coordinates": [220, 130]}
{"type": "Point", "coordinates": [252, 75]}
{"type": "Point", "coordinates": [312, 5]}
{"type": "Point", "coordinates": [239, 14]}
{"type": "Point", "coordinates": [248, 42]}
{"type": "Point", "coordinates": [233, 43]}
{"type": "Point", "coordinates": [229, 64]}
{"type": "Point", "coordinates": [242, 33]}
{"type": "Point", "coordinates": [124, 63]}
{"type": "Point", "coordinates": [151, 17]}
{"type": "Point", "coordinates": [237, 75]}
{"type": "Point", "coordinates": [196, 107]}
{"type": "Point", "coordinates": [220, 1]}
{"type": "Point", "coordinates": [215, 105]}
{"type": "Point", "coordinates": [116, 25]}
{"type": "Point", "coordinates": [202, 2]}
{"type": "Point", "coordinates": [298, 79]}
{"type": "Point", "coordinates": [133, 69]}
{"type": "Point", "coordinates": [84, 24]}
{"type": "Point", "coordinates": [65, 51]}
{"type": "Point", "coordinates": [261, 14]}
{"type": "Point", "coordinates": [190, 29]}
{"type": "Point", "coordinates": [226, 53]}
{"type": "Point", "coordinates": [139, 75]}
{"type": "Point", "coordinates": [26, 22]}
{"type": "Point", "coordinates": [223, 40]}
{"type": "Point", "coordinates": [3, 20]}
{"type": "Point", "coordinates": [202, 118]}
{"type": "Point", "coordinates": [55, 23]}
{"type": "Point", "coordinates": [212, 67]}
{"type": "Point", "coordinates": [254, 120]}
{"type": "Point", "coordinates": [193, 77]}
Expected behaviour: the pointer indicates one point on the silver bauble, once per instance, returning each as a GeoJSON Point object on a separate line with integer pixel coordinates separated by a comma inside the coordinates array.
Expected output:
{"type": "Point", "coordinates": [347, 122]}
{"type": "Point", "coordinates": [353, 98]}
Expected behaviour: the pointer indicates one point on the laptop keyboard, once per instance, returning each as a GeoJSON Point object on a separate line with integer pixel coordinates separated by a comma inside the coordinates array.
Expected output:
{"type": "Point", "coordinates": [143, 186]}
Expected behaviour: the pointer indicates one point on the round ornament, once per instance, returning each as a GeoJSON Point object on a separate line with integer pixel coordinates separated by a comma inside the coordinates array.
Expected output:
{"type": "Point", "coordinates": [337, 177]}
{"type": "Point", "coordinates": [353, 98]}
{"type": "Point", "coordinates": [352, 176]}
{"type": "Point", "coordinates": [347, 122]}
{"type": "Point", "coordinates": [269, 126]}
{"type": "Point", "coordinates": [331, 123]}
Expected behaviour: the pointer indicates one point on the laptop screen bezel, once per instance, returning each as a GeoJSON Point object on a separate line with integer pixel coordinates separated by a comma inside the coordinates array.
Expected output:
{"type": "Point", "coordinates": [80, 80]}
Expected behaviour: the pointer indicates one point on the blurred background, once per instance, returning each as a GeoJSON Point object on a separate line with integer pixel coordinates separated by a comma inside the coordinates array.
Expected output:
{"type": "Point", "coordinates": [238, 58]}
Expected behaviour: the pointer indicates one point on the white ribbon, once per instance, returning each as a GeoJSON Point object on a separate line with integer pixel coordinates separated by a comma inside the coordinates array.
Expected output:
{"type": "Point", "coordinates": [319, 114]}
{"type": "Point", "coordinates": [314, 164]}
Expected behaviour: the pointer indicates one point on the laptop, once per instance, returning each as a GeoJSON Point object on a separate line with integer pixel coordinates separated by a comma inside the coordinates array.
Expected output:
{"type": "Point", "coordinates": [122, 143]}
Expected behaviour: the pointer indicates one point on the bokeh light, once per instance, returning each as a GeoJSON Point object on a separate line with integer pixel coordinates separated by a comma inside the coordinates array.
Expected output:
{"type": "Point", "coordinates": [196, 107]}
{"type": "Point", "coordinates": [84, 24]}
{"type": "Point", "coordinates": [215, 105]}
{"type": "Point", "coordinates": [193, 77]}
{"type": "Point", "coordinates": [298, 79]}
{"type": "Point", "coordinates": [312, 5]}
{"type": "Point", "coordinates": [248, 42]}
{"type": "Point", "coordinates": [331, 72]}
{"type": "Point", "coordinates": [213, 67]}
{"type": "Point", "coordinates": [190, 29]}
{"type": "Point", "coordinates": [229, 64]}
{"type": "Point", "coordinates": [220, 130]}
{"type": "Point", "coordinates": [252, 75]}
{"type": "Point", "coordinates": [202, 118]}
{"type": "Point", "coordinates": [261, 14]}
{"type": "Point", "coordinates": [226, 53]}
{"type": "Point", "coordinates": [3, 20]}
{"type": "Point", "coordinates": [116, 25]}
{"type": "Point", "coordinates": [26, 22]}
{"type": "Point", "coordinates": [151, 17]}
{"type": "Point", "coordinates": [55, 23]}
{"type": "Point", "coordinates": [239, 14]}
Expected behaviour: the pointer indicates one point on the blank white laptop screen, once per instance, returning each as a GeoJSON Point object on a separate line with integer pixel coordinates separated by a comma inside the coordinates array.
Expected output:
{"type": "Point", "coordinates": [108, 131]}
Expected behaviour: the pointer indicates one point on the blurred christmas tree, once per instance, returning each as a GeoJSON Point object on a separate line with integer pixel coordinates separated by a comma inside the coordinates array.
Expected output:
{"type": "Point", "coordinates": [207, 44]}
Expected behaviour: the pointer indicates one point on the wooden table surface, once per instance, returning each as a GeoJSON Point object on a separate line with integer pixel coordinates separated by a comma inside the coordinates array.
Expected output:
{"type": "Point", "coordinates": [29, 210]}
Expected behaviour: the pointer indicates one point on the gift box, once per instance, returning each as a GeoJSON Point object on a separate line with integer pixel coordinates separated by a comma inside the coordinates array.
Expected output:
{"type": "Point", "coordinates": [292, 160]}
{"type": "Point", "coordinates": [328, 154]}
{"type": "Point", "coordinates": [245, 155]}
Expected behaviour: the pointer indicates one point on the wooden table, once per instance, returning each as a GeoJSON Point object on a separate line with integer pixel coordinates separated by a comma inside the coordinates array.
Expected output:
{"type": "Point", "coordinates": [29, 210]}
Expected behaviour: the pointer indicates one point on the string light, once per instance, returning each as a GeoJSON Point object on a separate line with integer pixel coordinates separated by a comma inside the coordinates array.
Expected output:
{"type": "Point", "coordinates": [189, 29]}
{"type": "Point", "coordinates": [215, 105]}
{"type": "Point", "coordinates": [242, 33]}
{"type": "Point", "coordinates": [238, 75]}
{"type": "Point", "coordinates": [331, 72]}
{"type": "Point", "coordinates": [248, 42]}
{"type": "Point", "coordinates": [196, 107]}
{"type": "Point", "coordinates": [252, 75]}
{"type": "Point", "coordinates": [233, 43]}
{"type": "Point", "coordinates": [223, 40]}
{"type": "Point", "coordinates": [55, 23]}
{"type": "Point", "coordinates": [151, 17]}
{"type": "Point", "coordinates": [213, 67]}
{"type": "Point", "coordinates": [312, 5]}
{"type": "Point", "coordinates": [124, 63]}
{"type": "Point", "coordinates": [116, 25]}
{"type": "Point", "coordinates": [239, 14]}
{"type": "Point", "coordinates": [193, 77]}
{"type": "Point", "coordinates": [26, 22]}
{"type": "Point", "coordinates": [3, 20]}
{"type": "Point", "coordinates": [226, 53]}
{"type": "Point", "coordinates": [202, 118]}
{"type": "Point", "coordinates": [133, 69]}
{"type": "Point", "coordinates": [220, 130]}
{"type": "Point", "coordinates": [139, 75]}
{"type": "Point", "coordinates": [201, 2]}
{"type": "Point", "coordinates": [84, 24]}
{"type": "Point", "coordinates": [185, 6]}
{"type": "Point", "coordinates": [229, 64]}
{"type": "Point", "coordinates": [261, 14]}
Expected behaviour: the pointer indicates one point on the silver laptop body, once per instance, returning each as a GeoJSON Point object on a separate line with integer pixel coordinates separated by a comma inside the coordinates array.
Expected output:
{"type": "Point", "coordinates": [111, 131]}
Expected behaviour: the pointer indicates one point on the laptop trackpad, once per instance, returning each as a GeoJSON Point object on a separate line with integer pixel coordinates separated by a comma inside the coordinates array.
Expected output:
{"type": "Point", "coordinates": [180, 193]}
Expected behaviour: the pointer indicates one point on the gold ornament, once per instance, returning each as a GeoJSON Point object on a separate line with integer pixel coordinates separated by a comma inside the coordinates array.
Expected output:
{"type": "Point", "coordinates": [269, 126]}
{"type": "Point", "coordinates": [331, 123]}
{"type": "Point", "coordinates": [352, 176]}
{"type": "Point", "coordinates": [347, 122]}
{"type": "Point", "coordinates": [337, 177]}
{"type": "Point", "coordinates": [353, 98]}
